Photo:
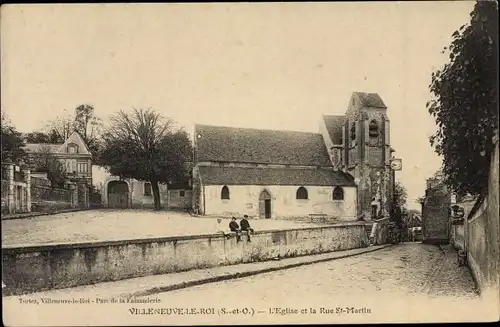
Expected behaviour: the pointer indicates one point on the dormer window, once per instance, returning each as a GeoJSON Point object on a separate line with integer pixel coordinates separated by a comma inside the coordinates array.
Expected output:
{"type": "Point", "coordinates": [72, 148]}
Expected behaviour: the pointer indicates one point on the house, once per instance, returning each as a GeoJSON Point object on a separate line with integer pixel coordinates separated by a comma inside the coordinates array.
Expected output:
{"type": "Point", "coordinates": [73, 154]}
{"type": "Point", "coordinates": [76, 158]}
{"type": "Point", "coordinates": [338, 172]}
{"type": "Point", "coordinates": [119, 192]}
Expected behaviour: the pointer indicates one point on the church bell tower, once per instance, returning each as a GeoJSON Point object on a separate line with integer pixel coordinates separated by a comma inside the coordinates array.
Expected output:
{"type": "Point", "coordinates": [367, 153]}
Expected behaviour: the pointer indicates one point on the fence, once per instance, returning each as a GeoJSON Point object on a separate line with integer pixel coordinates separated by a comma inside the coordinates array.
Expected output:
{"type": "Point", "coordinates": [40, 181]}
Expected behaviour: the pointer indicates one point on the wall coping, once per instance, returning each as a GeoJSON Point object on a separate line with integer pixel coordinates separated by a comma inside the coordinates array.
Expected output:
{"type": "Point", "coordinates": [27, 248]}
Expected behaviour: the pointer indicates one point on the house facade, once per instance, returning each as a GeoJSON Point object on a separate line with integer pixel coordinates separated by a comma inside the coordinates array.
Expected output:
{"type": "Point", "coordinates": [339, 172]}
{"type": "Point", "coordinates": [76, 158]}
{"type": "Point", "coordinates": [73, 154]}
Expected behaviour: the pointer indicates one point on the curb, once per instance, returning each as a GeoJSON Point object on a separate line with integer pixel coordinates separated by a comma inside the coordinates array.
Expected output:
{"type": "Point", "coordinates": [173, 287]}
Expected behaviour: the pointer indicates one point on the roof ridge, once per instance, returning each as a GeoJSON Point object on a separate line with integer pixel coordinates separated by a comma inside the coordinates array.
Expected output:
{"type": "Point", "coordinates": [43, 143]}
{"type": "Point", "coordinates": [258, 129]}
{"type": "Point", "coordinates": [339, 115]}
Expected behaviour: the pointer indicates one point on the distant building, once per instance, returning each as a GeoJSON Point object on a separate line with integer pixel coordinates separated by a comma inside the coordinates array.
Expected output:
{"type": "Point", "coordinates": [343, 171]}
{"type": "Point", "coordinates": [435, 212]}
{"type": "Point", "coordinates": [76, 157]}
{"type": "Point", "coordinates": [119, 192]}
{"type": "Point", "coordinates": [73, 154]}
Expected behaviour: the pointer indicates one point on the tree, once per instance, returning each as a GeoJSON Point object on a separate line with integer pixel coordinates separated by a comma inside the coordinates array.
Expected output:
{"type": "Point", "coordinates": [62, 127]}
{"type": "Point", "coordinates": [400, 195]}
{"type": "Point", "coordinates": [143, 145]}
{"type": "Point", "coordinates": [40, 137]}
{"type": "Point", "coordinates": [83, 120]}
{"type": "Point", "coordinates": [88, 125]}
{"type": "Point", "coordinates": [465, 104]}
{"type": "Point", "coordinates": [12, 143]}
{"type": "Point", "coordinates": [399, 202]}
{"type": "Point", "coordinates": [45, 161]}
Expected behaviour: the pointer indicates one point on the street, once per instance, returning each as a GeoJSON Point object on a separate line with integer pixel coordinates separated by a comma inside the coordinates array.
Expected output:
{"type": "Point", "coordinates": [409, 282]}
{"type": "Point", "coordinates": [401, 277]}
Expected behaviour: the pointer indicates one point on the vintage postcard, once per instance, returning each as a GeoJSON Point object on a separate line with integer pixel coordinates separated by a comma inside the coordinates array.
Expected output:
{"type": "Point", "coordinates": [249, 163]}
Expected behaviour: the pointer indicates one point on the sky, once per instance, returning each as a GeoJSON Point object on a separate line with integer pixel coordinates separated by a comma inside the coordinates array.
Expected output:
{"type": "Point", "coordinates": [258, 65]}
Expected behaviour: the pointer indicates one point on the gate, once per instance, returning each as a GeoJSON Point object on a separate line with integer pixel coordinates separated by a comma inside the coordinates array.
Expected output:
{"type": "Point", "coordinates": [118, 194]}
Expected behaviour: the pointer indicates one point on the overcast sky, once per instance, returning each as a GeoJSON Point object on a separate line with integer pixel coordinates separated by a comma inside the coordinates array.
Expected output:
{"type": "Point", "coordinates": [259, 65]}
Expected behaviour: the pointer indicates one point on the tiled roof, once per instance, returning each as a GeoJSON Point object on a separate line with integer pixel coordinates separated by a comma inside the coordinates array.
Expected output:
{"type": "Point", "coordinates": [334, 127]}
{"type": "Point", "coordinates": [273, 176]}
{"type": "Point", "coordinates": [370, 99]}
{"type": "Point", "coordinates": [42, 147]}
{"type": "Point", "coordinates": [230, 144]}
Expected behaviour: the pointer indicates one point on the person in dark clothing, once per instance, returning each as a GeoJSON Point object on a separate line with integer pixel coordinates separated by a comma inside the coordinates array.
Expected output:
{"type": "Point", "coordinates": [234, 227]}
{"type": "Point", "coordinates": [245, 226]}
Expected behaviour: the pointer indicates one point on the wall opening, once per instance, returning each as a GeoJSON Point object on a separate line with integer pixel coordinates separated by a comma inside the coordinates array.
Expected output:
{"type": "Point", "coordinates": [265, 204]}
{"type": "Point", "coordinates": [118, 194]}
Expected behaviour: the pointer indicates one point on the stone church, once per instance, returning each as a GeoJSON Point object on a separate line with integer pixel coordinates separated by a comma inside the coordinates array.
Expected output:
{"type": "Point", "coordinates": [341, 172]}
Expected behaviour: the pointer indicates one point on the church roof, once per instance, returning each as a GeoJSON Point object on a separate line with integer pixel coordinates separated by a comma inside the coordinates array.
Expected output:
{"type": "Point", "coordinates": [370, 99]}
{"type": "Point", "coordinates": [334, 127]}
{"type": "Point", "coordinates": [274, 176]}
{"type": "Point", "coordinates": [230, 144]}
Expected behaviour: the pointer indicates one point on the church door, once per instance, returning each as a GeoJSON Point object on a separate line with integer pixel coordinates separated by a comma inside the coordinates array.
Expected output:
{"type": "Point", "coordinates": [265, 204]}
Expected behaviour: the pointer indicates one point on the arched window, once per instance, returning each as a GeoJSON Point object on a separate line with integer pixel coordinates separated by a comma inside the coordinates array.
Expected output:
{"type": "Point", "coordinates": [301, 193]}
{"type": "Point", "coordinates": [353, 131]}
{"type": "Point", "coordinates": [338, 193]}
{"type": "Point", "coordinates": [373, 129]}
{"type": "Point", "coordinates": [224, 194]}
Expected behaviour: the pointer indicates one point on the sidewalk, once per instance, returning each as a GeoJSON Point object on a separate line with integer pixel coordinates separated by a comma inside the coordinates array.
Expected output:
{"type": "Point", "coordinates": [144, 286]}
{"type": "Point", "coordinates": [451, 279]}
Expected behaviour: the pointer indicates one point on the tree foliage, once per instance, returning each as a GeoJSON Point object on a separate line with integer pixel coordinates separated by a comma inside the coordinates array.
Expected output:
{"type": "Point", "coordinates": [399, 203]}
{"type": "Point", "coordinates": [143, 145]}
{"type": "Point", "coordinates": [465, 104]}
{"type": "Point", "coordinates": [11, 141]}
{"type": "Point", "coordinates": [83, 120]}
{"type": "Point", "coordinates": [88, 125]}
{"type": "Point", "coordinates": [400, 195]}
{"type": "Point", "coordinates": [41, 137]}
{"type": "Point", "coordinates": [45, 161]}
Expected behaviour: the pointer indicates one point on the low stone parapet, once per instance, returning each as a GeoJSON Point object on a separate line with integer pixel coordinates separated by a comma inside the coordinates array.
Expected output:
{"type": "Point", "coordinates": [53, 266]}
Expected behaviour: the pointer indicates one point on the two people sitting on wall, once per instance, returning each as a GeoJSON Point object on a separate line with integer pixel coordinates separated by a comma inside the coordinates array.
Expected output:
{"type": "Point", "coordinates": [234, 227]}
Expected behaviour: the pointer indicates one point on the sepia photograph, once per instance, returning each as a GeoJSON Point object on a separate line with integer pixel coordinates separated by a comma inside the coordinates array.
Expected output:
{"type": "Point", "coordinates": [249, 163]}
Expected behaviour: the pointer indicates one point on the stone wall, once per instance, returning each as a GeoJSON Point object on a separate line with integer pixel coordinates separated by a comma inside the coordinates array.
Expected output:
{"type": "Point", "coordinates": [139, 199]}
{"type": "Point", "coordinates": [381, 227]}
{"type": "Point", "coordinates": [46, 199]}
{"type": "Point", "coordinates": [36, 268]}
{"type": "Point", "coordinates": [458, 232]}
{"type": "Point", "coordinates": [244, 199]}
{"type": "Point", "coordinates": [483, 238]}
